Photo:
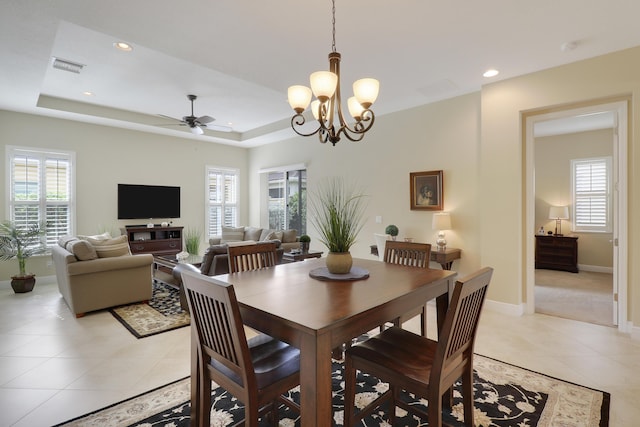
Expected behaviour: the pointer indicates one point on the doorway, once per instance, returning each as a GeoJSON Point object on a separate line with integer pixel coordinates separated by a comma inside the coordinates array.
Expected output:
{"type": "Point", "coordinates": [617, 111]}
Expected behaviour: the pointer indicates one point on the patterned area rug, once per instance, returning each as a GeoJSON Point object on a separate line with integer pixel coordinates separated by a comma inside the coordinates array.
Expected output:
{"type": "Point", "coordinates": [505, 395]}
{"type": "Point", "coordinates": [163, 313]}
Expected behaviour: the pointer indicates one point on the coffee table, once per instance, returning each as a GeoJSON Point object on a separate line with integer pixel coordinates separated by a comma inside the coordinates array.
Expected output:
{"type": "Point", "coordinates": [300, 256]}
{"type": "Point", "coordinates": [164, 265]}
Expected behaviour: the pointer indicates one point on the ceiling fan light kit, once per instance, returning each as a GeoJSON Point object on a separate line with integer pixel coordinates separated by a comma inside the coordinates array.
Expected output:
{"type": "Point", "coordinates": [327, 107]}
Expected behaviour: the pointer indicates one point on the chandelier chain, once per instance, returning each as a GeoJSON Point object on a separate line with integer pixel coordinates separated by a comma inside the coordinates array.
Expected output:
{"type": "Point", "coordinates": [333, 23]}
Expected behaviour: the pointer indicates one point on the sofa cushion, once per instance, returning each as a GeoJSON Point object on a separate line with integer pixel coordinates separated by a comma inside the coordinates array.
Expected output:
{"type": "Point", "coordinates": [265, 232]}
{"type": "Point", "coordinates": [207, 259]}
{"type": "Point", "coordinates": [82, 250]}
{"type": "Point", "coordinates": [232, 234]}
{"type": "Point", "coordinates": [252, 233]}
{"type": "Point", "coordinates": [289, 236]}
{"type": "Point", "coordinates": [118, 246]}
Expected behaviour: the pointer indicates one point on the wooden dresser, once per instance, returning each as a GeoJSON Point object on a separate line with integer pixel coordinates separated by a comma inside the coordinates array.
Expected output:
{"type": "Point", "coordinates": [557, 253]}
{"type": "Point", "coordinates": [156, 241]}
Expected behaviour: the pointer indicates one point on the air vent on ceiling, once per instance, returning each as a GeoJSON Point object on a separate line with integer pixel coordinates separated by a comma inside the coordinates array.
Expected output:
{"type": "Point", "coordinates": [66, 65]}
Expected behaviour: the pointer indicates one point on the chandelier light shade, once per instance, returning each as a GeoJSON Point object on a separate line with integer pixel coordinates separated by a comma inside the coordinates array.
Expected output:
{"type": "Point", "coordinates": [327, 107]}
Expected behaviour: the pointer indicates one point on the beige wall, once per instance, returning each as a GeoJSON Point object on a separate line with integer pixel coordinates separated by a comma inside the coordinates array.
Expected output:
{"type": "Point", "coordinates": [442, 136]}
{"type": "Point", "coordinates": [553, 155]}
{"type": "Point", "coordinates": [107, 156]}
{"type": "Point", "coordinates": [502, 160]}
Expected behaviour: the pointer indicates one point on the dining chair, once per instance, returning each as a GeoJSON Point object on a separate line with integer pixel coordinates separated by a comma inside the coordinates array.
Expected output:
{"type": "Point", "coordinates": [419, 365]}
{"type": "Point", "coordinates": [252, 256]}
{"type": "Point", "coordinates": [413, 255]}
{"type": "Point", "coordinates": [257, 371]}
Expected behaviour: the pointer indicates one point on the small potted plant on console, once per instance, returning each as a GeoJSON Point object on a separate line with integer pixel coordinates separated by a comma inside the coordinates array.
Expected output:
{"type": "Point", "coordinates": [392, 230]}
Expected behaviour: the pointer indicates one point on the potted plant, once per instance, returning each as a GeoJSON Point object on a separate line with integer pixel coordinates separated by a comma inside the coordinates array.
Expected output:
{"type": "Point", "coordinates": [391, 230]}
{"type": "Point", "coordinates": [21, 243]}
{"type": "Point", "coordinates": [338, 213]}
{"type": "Point", "coordinates": [304, 243]}
{"type": "Point", "coordinates": [192, 240]}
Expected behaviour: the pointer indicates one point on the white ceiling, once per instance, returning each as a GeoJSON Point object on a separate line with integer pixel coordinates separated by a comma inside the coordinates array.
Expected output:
{"type": "Point", "coordinates": [239, 57]}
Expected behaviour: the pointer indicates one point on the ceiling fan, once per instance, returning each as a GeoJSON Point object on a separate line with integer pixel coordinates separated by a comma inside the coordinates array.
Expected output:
{"type": "Point", "coordinates": [197, 124]}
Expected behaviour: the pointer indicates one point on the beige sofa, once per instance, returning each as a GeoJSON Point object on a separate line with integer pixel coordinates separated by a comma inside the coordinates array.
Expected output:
{"type": "Point", "coordinates": [91, 279]}
{"type": "Point", "coordinates": [288, 238]}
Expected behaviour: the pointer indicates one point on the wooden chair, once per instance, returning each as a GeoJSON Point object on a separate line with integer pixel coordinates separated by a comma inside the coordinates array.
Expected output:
{"type": "Point", "coordinates": [413, 255]}
{"type": "Point", "coordinates": [257, 371]}
{"type": "Point", "coordinates": [414, 363]}
{"type": "Point", "coordinates": [252, 256]}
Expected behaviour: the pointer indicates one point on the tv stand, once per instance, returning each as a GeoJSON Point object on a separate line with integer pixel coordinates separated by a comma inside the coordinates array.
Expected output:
{"type": "Point", "coordinates": [156, 241]}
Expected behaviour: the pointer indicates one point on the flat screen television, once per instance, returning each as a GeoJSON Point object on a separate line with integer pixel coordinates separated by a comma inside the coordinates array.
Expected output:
{"type": "Point", "coordinates": [148, 201]}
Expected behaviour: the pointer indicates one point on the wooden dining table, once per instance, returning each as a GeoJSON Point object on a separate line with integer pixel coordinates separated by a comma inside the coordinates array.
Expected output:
{"type": "Point", "coordinates": [319, 315]}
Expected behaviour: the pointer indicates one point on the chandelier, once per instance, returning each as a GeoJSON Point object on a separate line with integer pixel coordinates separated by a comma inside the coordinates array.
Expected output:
{"type": "Point", "coordinates": [327, 107]}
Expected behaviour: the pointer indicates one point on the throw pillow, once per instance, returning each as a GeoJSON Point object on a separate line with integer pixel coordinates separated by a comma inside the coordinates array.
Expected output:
{"type": "Point", "coordinates": [289, 236]}
{"type": "Point", "coordinates": [118, 246]}
{"type": "Point", "coordinates": [65, 240]}
{"type": "Point", "coordinates": [83, 250]}
{"type": "Point", "coordinates": [274, 235]}
{"type": "Point", "coordinates": [104, 236]}
{"type": "Point", "coordinates": [232, 234]}
{"type": "Point", "coordinates": [252, 233]}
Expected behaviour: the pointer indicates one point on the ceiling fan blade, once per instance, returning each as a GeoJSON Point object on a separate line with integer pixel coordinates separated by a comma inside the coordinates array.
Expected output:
{"type": "Point", "coordinates": [172, 118]}
{"type": "Point", "coordinates": [219, 128]}
{"type": "Point", "coordinates": [205, 119]}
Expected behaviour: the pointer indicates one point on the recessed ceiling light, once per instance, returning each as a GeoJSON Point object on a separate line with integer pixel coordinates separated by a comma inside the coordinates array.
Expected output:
{"type": "Point", "coordinates": [123, 46]}
{"type": "Point", "coordinates": [491, 73]}
{"type": "Point", "coordinates": [87, 93]}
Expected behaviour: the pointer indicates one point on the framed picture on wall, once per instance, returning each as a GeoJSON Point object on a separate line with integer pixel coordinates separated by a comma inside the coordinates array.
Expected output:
{"type": "Point", "coordinates": [426, 191]}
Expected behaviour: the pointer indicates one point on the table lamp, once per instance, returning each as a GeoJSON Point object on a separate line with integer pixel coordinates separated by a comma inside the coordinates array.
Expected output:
{"type": "Point", "coordinates": [558, 213]}
{"type": "Point", "coordinates": [441, 222]}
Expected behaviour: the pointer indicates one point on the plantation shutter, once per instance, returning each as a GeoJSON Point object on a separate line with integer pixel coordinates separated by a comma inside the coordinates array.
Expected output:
{"type": "Point", "coordinates": [222, 188]}
{"type": "Point", "coordinates": [592, 194]}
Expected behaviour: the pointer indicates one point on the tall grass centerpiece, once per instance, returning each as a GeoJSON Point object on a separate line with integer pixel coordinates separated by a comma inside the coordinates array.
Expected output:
{"type": "Point", "coordinates": [337, 209]}
{"type": "Point", "coordinates": [192, 238]}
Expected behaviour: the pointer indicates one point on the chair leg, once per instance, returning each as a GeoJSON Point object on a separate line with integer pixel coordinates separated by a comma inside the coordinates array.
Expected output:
{"type": "Point", "coordinates": [467, 396]}
{"type": "Point", "coordinates": [392, 404]}
{"type": "Point", "coordinates": [434, 410]}
{"type": "Point", "coordinates": [423, 321]}
{"type": "Point", "coordinates": [204, 406]}
{"type": "Point", "coordinates": [349, 392]}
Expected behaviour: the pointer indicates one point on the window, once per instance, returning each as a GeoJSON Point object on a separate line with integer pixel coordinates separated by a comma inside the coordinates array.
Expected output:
{"type": "Point", "coordinates": [288, 200]}
{"type": "Point", "coordinates": [40, 190]}
{"type": "Point", "coordinates": [222, 196]}
{"type": "Point", "coordinates": [592, 194]}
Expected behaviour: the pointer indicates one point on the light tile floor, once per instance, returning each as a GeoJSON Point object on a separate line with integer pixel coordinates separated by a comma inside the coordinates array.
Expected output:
{"type": "Point", "coordinates": [54, 367]}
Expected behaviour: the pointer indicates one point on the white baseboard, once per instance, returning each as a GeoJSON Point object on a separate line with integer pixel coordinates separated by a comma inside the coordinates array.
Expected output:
{"type": "Point", "coordinates": [504, 308]}
{"type": "Point", "coordinates": [595, 268]}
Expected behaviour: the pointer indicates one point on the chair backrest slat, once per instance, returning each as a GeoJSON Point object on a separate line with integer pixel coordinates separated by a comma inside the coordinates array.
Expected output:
{"type": "Point", "coordinates": [216, 317]}
{"type": "Point", "coordinates": [407, 253]}
{"type": "Point", "coordinates": [457, 336]}
{"type": "Point", "coordinates": [252, 257]}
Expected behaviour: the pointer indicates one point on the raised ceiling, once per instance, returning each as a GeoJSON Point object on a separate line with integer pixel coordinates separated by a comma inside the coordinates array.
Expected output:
{"type": "Point", "coordinates": [239, 57]}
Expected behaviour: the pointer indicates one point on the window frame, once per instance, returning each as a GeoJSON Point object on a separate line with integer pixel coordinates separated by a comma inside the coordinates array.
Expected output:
{"type": "Point", "coordinates": [42, 155]}
{"type": "Point", "coordinates": [607, 193]}
{"type": "Point", "coordinates": [223, 204]}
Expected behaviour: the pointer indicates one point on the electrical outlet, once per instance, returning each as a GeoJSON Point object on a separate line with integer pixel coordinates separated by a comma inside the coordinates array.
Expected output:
{"type": "Point", "coordinates": [379, 219]}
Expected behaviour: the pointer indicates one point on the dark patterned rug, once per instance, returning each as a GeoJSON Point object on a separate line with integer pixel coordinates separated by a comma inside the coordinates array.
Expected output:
{"type": "Point", "coordinates": [505, 395]}
{"type": "Point", "coordinates": [163, 313]}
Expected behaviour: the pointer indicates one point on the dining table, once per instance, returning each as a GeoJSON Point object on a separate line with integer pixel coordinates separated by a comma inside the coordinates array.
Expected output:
{"type": "Point", "coordinates": [318, 315]}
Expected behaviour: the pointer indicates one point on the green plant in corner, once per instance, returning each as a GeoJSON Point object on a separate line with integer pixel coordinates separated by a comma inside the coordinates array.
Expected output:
{"type": "Point", "coordinates": [192, 240]}
{"type": "Point", "coordinates": [21, 242]}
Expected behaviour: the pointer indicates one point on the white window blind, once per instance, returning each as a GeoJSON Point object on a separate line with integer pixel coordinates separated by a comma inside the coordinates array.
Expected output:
{"type": "Point", "coordinates": [592, 194]}
{"type": "Point", "coordinates": [40, 190]}
{"type": "Point", "coordinates": [222, 193]}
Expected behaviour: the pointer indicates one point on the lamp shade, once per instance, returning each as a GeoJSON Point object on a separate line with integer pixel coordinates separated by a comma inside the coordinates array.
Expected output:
{"type": "Point", "coordinates": [441, 221]}
{"type": "Point", "coordinates": [559, 212]}
{"type": "Point", "coordinates": [299, 97]}
{"type": "Point", "coordinates": [323, 84]}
